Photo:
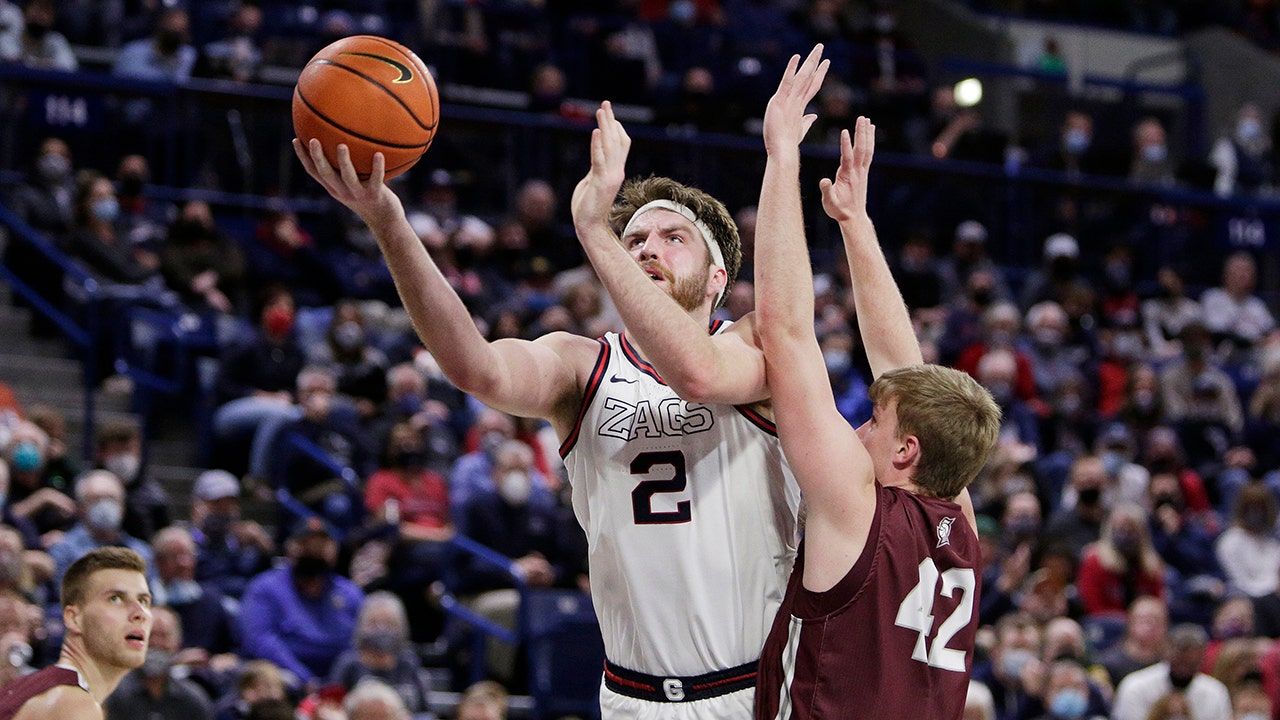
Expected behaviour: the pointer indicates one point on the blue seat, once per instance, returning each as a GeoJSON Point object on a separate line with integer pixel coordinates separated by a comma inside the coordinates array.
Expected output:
{"type": "Point", "coordinates": [1103, 631]}
{"type": "Point", "coordinates": [566, 653]}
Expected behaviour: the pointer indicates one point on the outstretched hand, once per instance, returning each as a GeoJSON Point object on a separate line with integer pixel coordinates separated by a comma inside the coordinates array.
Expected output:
{"type": "Point", "coordinates": [595, 193]}
{"type": "Point", "coordinates": [845, 198]}
{"type": "Point", "coordinates": [371, 199]}
{"type": "Point", "coordinates": [785, 122]}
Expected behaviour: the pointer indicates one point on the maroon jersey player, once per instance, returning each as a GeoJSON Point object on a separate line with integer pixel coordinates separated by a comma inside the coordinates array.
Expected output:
{"type": "Point", "coordinates": [881, 609]}
{"type": "Point", "coordinates": [106, 609]}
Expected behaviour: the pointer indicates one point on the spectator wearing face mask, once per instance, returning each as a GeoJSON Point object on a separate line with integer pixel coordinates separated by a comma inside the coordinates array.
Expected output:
{"type": "Point", "coordinates": [301, 615]}
{"type": "Point", "coordinates": [229, 551]}
{"type": "Point", "coordinates": [258, 681]}
{"type": "Point", "coordinates": [1074, 150]}
{"type": "Point", "coordinates": [383, 652]}
{"type": "Point", "coordinates": [1059, 278]}
{"type": "Point", "coordinates": [1001, 330]}
{"type": "Point", "coordinates": [99, 240]}
{"type": "Point", "coordinates": [1248, 550]}
{"type": "Point", "coordinates": [1079, 523]}
{"type": "Point", "coordinates": [160, 690]}
{"type": "Point", "coordinates": [412, 501]}
{"type": "Point", "coordinates": [1122, 565]}
{"type": "Point", "coordinates": [118, 448]}
{"type": "Point", "coordinates": [1204, 698]}
{"type": "Point", "coordinates": [1166, 313]}
{"type": "Point", "coordinates": [164, 56]}
{"type": "Point", "coordinates": [207, 616]}
{"type": "Point", "coordinates": [1013, 665]}
{"type": "Point", "coordinates": [256, 381]}
{"type": "Point", "coordinates": [473, 473]}
{"type": "Point", "coordinates": [1067, 693]}
{"type": "Point", "coordinates": [100, 500]}
{"type": "Point", "coordinates": [997, 371]}
{"type": "Point", "coordinates": [39, 45]}
{"type": "Point", "coordinates": [534, 536]}
{"type": "Point", "coordinates": [45, 200]}
{"type": "Point", "coordinates": [1243, 157]}
{"type": "Point", "coordinates": [1151, 163]}
{"type": "Point", "coordinates": [32, 498]}
{"type": "Point", "coordinates": [360, 367]}
{"type": "Point", "coordinates": [1185, 539]}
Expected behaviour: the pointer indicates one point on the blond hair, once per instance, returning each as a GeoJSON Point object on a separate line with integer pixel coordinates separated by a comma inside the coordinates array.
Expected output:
{"type": "Point", "coordinates": [76, 581]}
{"type": "Point", "coordinates": [955, 419]}
{"type": "Point", "coordinates": [638, 193]}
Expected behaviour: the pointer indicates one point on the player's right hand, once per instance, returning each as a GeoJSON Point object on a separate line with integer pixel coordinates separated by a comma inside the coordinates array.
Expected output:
{"type": "Point", "coordinates": [593, 197]}
{"type": "Point", "coordinates": [371, 199]}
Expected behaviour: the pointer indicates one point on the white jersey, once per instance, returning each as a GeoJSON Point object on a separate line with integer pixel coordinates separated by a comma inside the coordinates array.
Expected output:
{"type": "Point", "coordinates": [690, 515]}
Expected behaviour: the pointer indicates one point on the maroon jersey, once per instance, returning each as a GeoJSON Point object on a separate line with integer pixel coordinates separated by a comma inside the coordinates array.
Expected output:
{"type": "Point", "coordinates": [14, 695]}
{"type": "Point", "coordinates": [894, 638]}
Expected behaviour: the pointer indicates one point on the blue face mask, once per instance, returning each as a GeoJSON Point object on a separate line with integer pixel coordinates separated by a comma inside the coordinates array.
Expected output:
{"type": "Point", "coordinates": [1013, 660]}
{"type": "Point", "coordinates": [1076, 141]}
{"type": "Point", "coordinates": [106, 209]}
{"type": "Point", "coordinates": [1069, 704]}
{"type": "Point", "coordinates": [1155, 153]}
{"type": "Point", "coordinates": [26, 457]}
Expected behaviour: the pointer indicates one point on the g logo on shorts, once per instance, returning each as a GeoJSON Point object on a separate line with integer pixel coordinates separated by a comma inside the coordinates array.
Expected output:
{"type": "Point", "coordinates": [673, 689]}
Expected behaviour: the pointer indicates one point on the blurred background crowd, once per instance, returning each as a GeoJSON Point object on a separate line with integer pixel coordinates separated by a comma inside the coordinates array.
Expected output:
{"type": "Point", "coordinates": [334, 530]}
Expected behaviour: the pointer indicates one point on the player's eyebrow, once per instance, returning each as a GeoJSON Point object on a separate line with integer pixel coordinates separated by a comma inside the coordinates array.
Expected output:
{"type": "Point", "coordinates": [667, 229]}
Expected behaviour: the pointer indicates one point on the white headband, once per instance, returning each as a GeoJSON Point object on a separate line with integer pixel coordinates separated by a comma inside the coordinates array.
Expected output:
{"type": "Point", "coordinates": [717, 257]}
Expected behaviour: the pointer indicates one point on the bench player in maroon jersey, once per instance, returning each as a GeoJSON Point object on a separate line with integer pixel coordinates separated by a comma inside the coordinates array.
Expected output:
{"type": "Point", "coordinates": [106, 609]}
{"type": "Point", "coordinates": [880, 613]}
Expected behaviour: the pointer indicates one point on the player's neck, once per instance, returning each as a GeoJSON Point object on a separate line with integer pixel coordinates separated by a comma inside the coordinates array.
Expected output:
{"type": "Point", "coordinates": [102, 679]}
{"type": "Point", "coordinates": [901, 480]}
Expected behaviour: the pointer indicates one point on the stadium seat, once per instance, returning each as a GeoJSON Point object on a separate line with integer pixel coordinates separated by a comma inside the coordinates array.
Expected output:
{"type": "Point", "coordinates": [566, 653]}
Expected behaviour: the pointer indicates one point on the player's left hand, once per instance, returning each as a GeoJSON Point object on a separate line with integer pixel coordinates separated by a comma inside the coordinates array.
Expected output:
{"type": "Point", "coordinates": [845, 197]}
{"type": "Point", "coordinates": [595, 193]}
{"type": "Point", "coordinates": [785, 122]}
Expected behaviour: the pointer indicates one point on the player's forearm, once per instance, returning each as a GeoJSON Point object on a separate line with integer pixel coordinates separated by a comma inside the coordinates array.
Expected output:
{"type": "Point", "coordinates": [678, 346]}
{"type": "Point", "coordinates": [883, 319]}
{"type": "Point", "coordinates": [784, 281]}
{"type": "Point", "coordinates": [439, 317]}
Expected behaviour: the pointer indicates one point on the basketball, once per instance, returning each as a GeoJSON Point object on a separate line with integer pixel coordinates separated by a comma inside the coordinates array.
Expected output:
{"type": "Point", "coordinates": [371, 93]}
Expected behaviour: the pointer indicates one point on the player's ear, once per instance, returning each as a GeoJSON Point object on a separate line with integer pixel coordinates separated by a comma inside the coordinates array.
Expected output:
{"type": "Point", "coordinates": [907, 452]}
{"type": "Point", "coordinates": [719, 279]}
{"type": "Point", "coordinates": [71, 618]}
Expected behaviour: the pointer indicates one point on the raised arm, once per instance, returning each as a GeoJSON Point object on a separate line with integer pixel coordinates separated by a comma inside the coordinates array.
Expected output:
{"type": "Point", "coordinates": [536, 378]}
{"type": "Point", "coordinates": [724, 368]}
{"type": "Point", "coordinates": [832, 467]}
{"type": "Point", "coordinates": [883, 319]}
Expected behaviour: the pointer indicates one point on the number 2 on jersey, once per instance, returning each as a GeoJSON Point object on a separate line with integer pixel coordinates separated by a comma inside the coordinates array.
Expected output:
{"type": "Point", "coordinates": [916, 613]}
{"type": "Point", "coordinates": [642, 495]}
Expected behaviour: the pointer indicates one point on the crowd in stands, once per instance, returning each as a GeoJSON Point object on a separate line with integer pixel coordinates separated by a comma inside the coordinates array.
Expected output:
{"type": "Point", "coordinates": [1132, 559]}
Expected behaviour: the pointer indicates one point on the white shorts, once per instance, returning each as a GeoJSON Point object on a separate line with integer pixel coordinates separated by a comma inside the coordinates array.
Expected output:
{"type": "Point", "coordinates": [739, 705]}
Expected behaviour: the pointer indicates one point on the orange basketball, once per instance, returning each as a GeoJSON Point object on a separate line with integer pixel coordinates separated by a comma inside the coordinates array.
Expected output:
{"type": "Point", "coordinates": [371, 93]}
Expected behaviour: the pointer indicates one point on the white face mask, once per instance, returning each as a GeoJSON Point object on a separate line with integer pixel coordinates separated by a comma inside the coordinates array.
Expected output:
{"type": "Point", "coordinates": [104, 515]}
{"type": "Point", "coordinates": [124, 466]}
{"type": "Point", "coordinates": [515, 487]}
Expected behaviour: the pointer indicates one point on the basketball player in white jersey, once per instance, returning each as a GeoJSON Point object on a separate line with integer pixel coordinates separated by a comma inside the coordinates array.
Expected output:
{"type": "Point", "coordinates": [677, 474]}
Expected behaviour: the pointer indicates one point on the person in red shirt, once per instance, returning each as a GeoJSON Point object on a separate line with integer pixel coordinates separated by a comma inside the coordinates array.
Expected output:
{"type": "Point", "coordinates": [106, 609]}
{"type": "Point", "coordinates": [1121, 566]}
{"type": "Point", "coordinates": [405, 493]}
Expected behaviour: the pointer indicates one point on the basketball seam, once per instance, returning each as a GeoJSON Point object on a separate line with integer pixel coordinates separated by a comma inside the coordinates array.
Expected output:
{"type": "Point", "coordinates": [378, 84]}
{"type": "Point", "coordinates": [359, 135]}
